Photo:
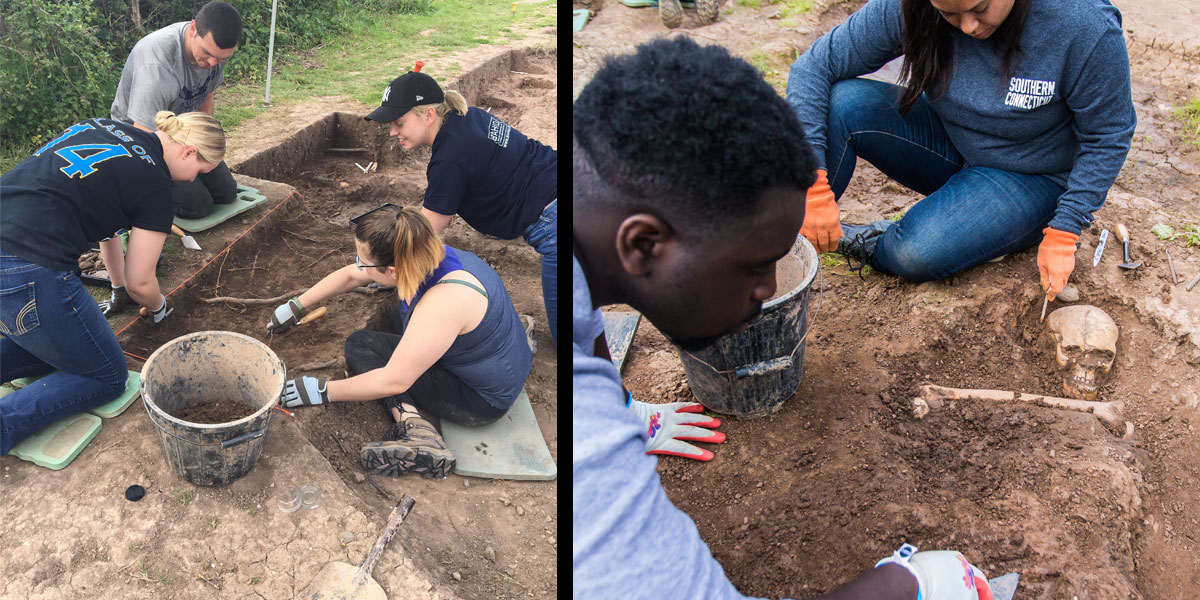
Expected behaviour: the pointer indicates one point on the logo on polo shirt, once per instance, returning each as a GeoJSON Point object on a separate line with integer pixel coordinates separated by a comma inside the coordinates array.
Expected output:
{"type": "Point", "coordinates": [499, 132]}
{"type": "Point", "coordinates": [1029, 93]}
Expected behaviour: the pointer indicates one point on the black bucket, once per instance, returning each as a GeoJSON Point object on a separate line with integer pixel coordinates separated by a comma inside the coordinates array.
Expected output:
{"type": "Point", "coordinates": [751, 374]}
{"type": "Point", "coordinates": [212, 366]}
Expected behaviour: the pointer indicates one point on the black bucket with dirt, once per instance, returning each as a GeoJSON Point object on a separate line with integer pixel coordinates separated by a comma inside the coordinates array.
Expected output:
{"type": "Point", "coordinates": [198, 371]}
{"type": "Point", "coordinates": [751, 374]}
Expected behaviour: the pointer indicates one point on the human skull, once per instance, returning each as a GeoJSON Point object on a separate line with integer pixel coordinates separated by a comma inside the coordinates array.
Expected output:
{"type": "Point", "coordinates": [1085, 339]}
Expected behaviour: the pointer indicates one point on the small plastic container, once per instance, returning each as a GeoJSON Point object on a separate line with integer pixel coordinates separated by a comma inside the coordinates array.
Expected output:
{"type": "Point", "coordinates": [289, 499]}
{"type": "Point", "coordinates": [310, 496]}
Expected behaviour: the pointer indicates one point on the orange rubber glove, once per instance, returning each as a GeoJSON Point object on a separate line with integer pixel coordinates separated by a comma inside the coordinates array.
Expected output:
{"type": "Point", "coordinates": [822, 221]}
{"type": "Point", "coordinates": [1056, 259]}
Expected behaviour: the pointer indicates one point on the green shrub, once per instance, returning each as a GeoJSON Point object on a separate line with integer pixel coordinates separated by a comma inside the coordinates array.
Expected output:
{"type": "Point", "coordinates": [61, 60]}
{"type": "Point", "coordinates": [54, 70]}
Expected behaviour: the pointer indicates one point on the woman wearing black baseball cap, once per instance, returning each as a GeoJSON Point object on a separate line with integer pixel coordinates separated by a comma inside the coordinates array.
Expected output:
{"type": "Point", "coordinates": [499, 181]}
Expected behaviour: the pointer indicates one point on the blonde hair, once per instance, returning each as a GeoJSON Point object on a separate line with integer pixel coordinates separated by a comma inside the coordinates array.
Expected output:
{"type": "Point", "coordinates": [454, 102]}
{"type": "Point", "coordinates": [408, 237]}
{"type": "Point", "coordinates": [196, 129]}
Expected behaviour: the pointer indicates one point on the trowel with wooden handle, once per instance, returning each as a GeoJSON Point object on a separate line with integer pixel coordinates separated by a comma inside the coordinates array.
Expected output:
{"type": "Point", "coordinates": [188, 241]}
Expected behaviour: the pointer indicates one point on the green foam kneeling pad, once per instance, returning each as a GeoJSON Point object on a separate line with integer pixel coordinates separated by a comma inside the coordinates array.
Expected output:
{"type": "Point", "coordinates": [21, 382]}
{"type": "Point", "coordinates": [510, 448]}
{"type": "Point", "coordinates": [57, 444]}
{"type": "Point", "coordinates": [247, 198]}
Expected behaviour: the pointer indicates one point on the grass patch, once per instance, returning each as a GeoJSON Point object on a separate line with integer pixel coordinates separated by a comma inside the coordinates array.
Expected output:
{"type": "Point", "coordinates": [773, 67]}
{"type": "Point", "coordinates": [380, 49]}
{"type": "Point", "coordinates": [795, 7]}
{"type": "Point", "coordinates": [1189, 115]}
{"type": "Point", "coordinates": [830, 260]}
{"type": "Point", "coordinates": [184, 498]}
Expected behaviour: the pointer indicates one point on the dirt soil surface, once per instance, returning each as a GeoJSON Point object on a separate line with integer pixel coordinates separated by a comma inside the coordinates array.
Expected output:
{"type": "Point", "coordinates": [798, 503]}
{"type": "Point", "coordinates": [72, 534]}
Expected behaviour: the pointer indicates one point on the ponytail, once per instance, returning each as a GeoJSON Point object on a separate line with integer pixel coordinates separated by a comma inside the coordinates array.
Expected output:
{"type": "Point", "coordinates": [196, 129]}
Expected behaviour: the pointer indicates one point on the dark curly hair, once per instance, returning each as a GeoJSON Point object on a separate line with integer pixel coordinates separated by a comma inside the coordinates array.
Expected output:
{"type": "Point", "coordinates": [692, 126]}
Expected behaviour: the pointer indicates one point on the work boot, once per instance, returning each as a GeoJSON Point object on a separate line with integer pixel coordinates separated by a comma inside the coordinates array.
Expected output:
{"type": "Point", "coordinates": [858, 242]}
{"type": "Point", "coordinates": [671, 13]}
{"type": "Point", "coordinates": [412, 446]}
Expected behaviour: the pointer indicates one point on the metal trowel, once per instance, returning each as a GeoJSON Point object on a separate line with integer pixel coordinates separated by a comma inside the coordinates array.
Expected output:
{"type": "Point", "coordinates": [188, 241]}
{"type": "Point", "coordinates": [1004, 587]}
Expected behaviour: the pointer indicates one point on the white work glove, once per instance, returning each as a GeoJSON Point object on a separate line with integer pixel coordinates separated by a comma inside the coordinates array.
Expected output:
{"type": "Point", "coordinates": [667, 425]}
{"type": "Point", "coordinates": [162, 312]}
{"type": "Point", "coordinates": [286, 316]}
{"type": "Point", "coordinates": [304, 391]}
{"type": "Point", "coordinates": [941, 574]}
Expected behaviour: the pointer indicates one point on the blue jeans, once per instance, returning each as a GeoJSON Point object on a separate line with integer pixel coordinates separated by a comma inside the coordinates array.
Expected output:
{"type": "Point", "coordinates": [969, 214]}
{"type": "Point", "coordinates": [543, 236]}
{"type": "Point", "coordinates": [48, 321]}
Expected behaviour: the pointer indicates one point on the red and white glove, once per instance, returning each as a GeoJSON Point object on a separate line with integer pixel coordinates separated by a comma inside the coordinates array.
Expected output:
{"type": "Point", "coordinates": [668, 425]}
{"type": "Point", "coordinates": [941, 574]}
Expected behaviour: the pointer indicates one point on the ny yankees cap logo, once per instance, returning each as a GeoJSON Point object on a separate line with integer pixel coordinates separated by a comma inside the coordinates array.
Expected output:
{"type": "Point", "coordinates": [411, 89]}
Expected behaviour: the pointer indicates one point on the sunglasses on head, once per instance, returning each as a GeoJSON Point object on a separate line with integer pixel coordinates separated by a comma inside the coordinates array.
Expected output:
{"type": "Point", "coordinates": [355, 221]}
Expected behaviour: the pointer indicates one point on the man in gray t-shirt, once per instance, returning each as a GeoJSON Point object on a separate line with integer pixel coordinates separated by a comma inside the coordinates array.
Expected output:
{"type": "Point", "coordinates": [176, 68]}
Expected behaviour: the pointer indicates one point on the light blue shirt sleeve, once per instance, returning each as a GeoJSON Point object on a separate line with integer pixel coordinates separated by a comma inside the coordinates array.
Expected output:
{"type": "Point", "coordinates": [629, 541]}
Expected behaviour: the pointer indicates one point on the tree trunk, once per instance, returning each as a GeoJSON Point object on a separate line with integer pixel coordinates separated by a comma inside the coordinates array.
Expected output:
{"type": "Point", "coordinates": [136, 13]}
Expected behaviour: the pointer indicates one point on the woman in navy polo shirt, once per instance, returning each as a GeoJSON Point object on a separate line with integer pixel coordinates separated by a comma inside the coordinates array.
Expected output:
{"type": "Point", "coordinates": [499, 181]}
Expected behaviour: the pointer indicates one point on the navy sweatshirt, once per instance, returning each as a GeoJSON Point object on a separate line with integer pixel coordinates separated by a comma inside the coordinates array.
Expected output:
{"type": "Point", "coordinates": [1067, 112]}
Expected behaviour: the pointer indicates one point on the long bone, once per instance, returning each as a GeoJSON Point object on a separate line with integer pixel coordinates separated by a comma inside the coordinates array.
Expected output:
{"type": "Point", "coordinates": [1109, 413]}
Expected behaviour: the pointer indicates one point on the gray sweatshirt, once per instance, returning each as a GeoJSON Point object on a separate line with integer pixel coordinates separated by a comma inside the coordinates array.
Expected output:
{"type": "Point", "coordinates": [1067, 112]}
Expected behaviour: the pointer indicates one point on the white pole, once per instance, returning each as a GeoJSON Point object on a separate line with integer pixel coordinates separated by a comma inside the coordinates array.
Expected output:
{"type": "Point", "coordinates": [270, 54]}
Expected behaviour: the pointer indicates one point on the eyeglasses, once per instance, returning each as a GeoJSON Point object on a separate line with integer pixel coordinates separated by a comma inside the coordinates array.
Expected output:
{"type": "Point", "coordinates": [358, 263]}
{"type": "Point", "coordinates": [354, 222]}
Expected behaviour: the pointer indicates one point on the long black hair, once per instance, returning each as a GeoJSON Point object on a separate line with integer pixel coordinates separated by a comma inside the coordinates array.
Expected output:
{"type": "Point", "coordinates": [929, 48]}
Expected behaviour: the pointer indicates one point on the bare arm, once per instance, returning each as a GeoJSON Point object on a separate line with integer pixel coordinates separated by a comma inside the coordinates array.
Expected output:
{"type": "Point", "coordinates": [142, 128]}
{"type": "Point", "coordinates": [443, 313]}
{"type": "Point", "coordinates": [141, 283]}
{"type": "Point", "coordinates": [337, 282]}
{"type": "Point", "coordinates": [438, 220]}
{"type": "Point", "coordinates": [113, 255]}
{"type": "Point", "coordinates": [207, 105]}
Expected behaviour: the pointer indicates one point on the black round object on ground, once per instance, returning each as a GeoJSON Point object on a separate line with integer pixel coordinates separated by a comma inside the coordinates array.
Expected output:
{"type": "Point", "coordinates": [135, 493]}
